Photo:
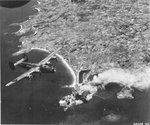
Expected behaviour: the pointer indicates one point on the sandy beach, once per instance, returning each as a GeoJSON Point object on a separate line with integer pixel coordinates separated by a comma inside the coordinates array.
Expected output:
{"type": "Point", "coordinates": [69, 68]}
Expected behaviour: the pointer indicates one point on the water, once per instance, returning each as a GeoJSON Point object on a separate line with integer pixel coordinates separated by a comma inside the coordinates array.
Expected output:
{"type": "Point", "coordinates": [36, 101]}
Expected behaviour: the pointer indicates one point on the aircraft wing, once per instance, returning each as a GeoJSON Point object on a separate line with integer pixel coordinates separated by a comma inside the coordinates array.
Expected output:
{"type": "Point", "coordinates": [44, 61]}
{"type": "Point", "coordinates": [26, 74]}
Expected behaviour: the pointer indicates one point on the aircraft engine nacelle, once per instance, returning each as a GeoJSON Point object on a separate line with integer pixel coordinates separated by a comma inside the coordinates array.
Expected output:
{"type": "Point", "coordinates": [13, 65]}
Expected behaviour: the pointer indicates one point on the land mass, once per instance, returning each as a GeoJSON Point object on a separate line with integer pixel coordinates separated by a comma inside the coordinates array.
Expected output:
{"type": "Point", "coordinates": [95, 35]}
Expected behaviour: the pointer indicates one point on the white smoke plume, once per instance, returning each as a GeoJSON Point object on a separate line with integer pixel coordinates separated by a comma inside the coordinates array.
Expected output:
{"type": "Point", "coordinates": [139, 79]}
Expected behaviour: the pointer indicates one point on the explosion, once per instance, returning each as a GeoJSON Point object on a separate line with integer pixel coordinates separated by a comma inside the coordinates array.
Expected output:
{"type": "Point", "coordinates": [137, 79]}
{"type": "Point", "coordinates": [127, 79]}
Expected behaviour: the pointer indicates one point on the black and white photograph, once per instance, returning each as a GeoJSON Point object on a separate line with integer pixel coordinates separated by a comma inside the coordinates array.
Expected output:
{"type": "Point", "coordinates": [75, 62]}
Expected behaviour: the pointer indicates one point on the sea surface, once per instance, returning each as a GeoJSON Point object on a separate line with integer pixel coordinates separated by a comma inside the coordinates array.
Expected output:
{"type": "Point", "coordinates": [28, 101]}
{"type": "Point", "coordinates": [36, 100]}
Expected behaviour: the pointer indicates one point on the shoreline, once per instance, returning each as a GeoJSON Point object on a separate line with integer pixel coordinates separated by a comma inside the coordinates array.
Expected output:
{"type": "Point", "coordinates": [58, 55]}
{"type": "Point", "coordinates": [38, 2]}
{"type": "Point", "coordinates": [23, 30]}
{"type": "Point", "coordinates": [38, 9]}
{"type": "Point", "coordinates": [20, 30]}
{"type": "Point", "coordinates": [70, 69]}
{"type": "Point", "coordinates": [21, 51]}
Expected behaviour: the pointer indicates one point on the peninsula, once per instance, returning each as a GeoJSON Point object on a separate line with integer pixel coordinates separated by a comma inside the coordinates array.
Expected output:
{"type": "Point", "coordinates": [106, 37]}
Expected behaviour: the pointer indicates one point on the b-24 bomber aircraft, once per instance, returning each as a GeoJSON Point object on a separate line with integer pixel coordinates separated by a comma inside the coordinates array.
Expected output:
{"type": "Point", "coordinates": [43, 66]}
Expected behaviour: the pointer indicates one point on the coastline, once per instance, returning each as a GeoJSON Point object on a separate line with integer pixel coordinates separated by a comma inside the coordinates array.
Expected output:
{"type": "Point", "coordinates": [58, 55]}
{"type": "Point", "coordinates": [42, 96]}
{"type": "Point", "coordinates": [22, 29]}
{"type": "Point", "coordinates": [69, 68]}
{"type": "Point", "coordinates": [38, 9]}
{"type": "Point", "coordinates": [42, 33]}
{"type": "Point", "coordinates": [39, 2]}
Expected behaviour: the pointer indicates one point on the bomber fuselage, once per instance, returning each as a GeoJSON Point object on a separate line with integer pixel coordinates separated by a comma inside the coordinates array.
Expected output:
{"type": "Point", "coordinates": [43, 68]}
